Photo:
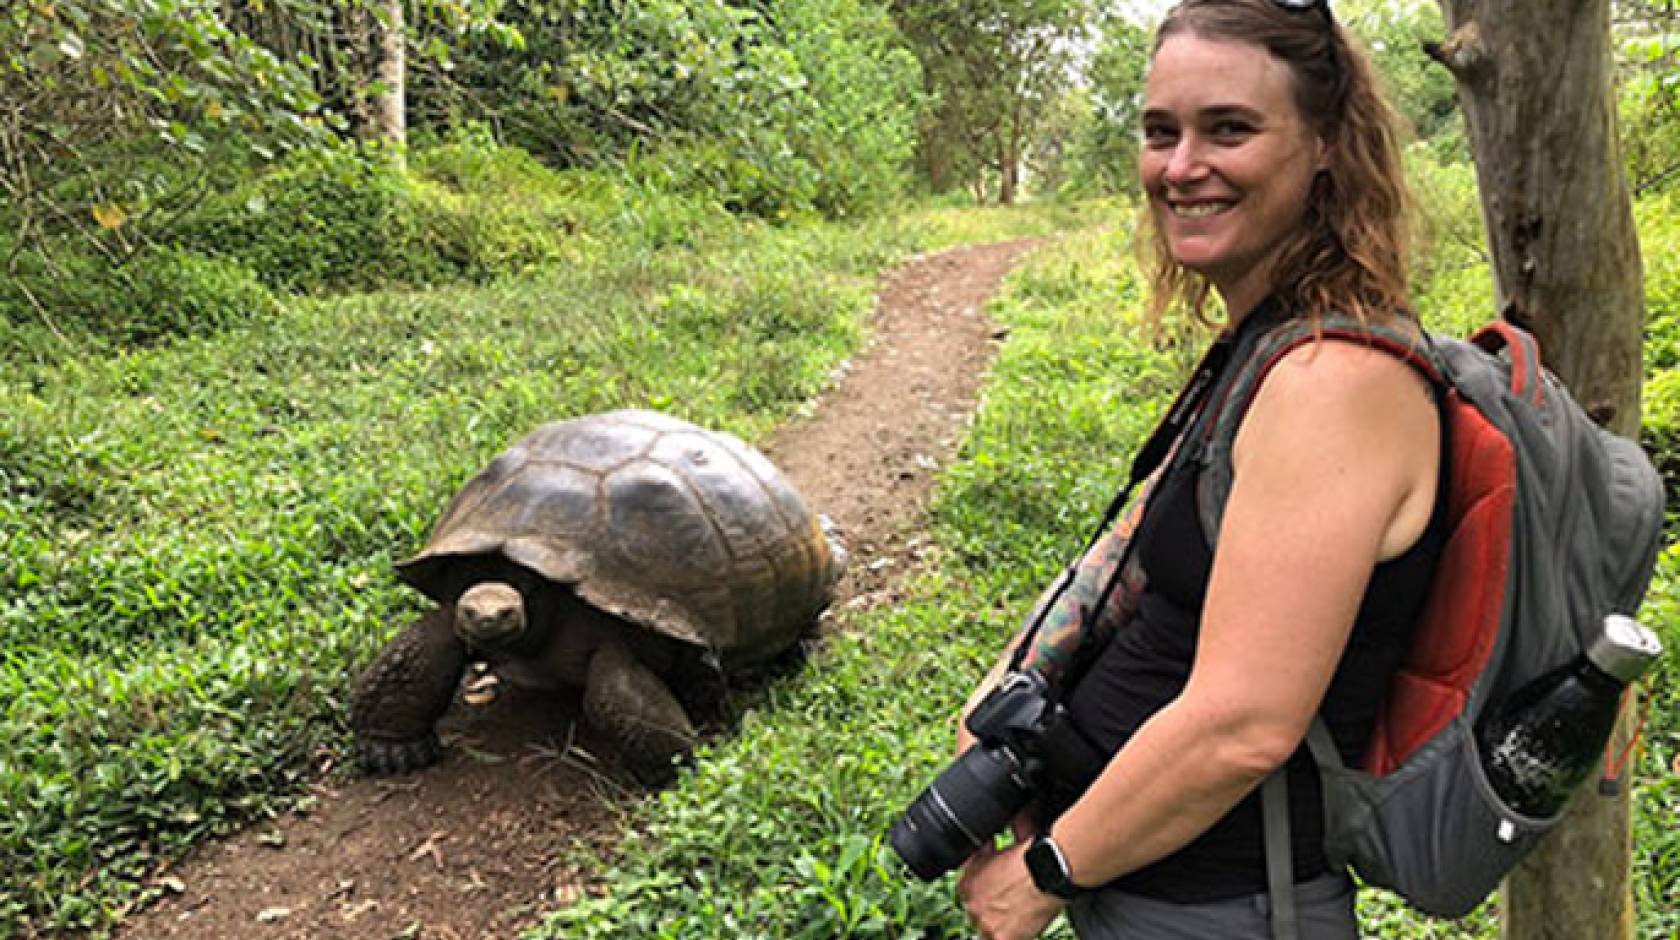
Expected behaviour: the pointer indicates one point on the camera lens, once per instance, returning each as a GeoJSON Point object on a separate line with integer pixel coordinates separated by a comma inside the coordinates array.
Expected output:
{"type": "Point", "coordinates": [969, 803]}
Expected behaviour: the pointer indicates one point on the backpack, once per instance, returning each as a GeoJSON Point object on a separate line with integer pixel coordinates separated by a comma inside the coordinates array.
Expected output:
{"type": "Point", "coordinates": [1552, 523]}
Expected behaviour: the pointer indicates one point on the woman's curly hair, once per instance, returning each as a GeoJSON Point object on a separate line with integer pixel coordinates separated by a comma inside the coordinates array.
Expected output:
{"type": "Point", "coordinates": [1350, 254]}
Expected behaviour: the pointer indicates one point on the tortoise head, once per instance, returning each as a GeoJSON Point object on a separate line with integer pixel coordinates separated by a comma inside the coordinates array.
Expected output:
{"type": "Point", "coordinates": [490, 614]}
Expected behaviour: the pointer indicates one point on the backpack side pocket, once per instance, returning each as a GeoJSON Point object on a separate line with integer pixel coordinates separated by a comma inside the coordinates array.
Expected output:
{"type": "Point", "coordinates": [1433, 830]}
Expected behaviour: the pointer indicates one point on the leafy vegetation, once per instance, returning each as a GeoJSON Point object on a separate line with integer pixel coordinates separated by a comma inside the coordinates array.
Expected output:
{"type": "Point", "coordinates": [196, 536]}
{"type": "Point", "coordinates": [246, 134]}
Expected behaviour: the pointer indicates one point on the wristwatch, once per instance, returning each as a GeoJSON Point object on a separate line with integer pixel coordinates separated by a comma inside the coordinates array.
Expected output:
{"type": "Point", "coordinates": [1049, 868]}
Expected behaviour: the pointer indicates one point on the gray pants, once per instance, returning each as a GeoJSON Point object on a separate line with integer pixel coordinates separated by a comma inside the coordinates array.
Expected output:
{"type": "Point", "coordinates": [1324, 904]}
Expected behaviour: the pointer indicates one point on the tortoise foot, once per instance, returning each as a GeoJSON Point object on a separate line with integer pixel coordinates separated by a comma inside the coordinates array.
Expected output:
{"type": "Point", "coordinates": [633, 706]}
{"type": "Point", "coordinates": [383, 756]}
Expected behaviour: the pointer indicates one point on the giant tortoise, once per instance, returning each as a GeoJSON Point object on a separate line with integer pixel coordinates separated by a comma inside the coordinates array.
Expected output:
{"type": "Point", "coordinates": [631, 554]}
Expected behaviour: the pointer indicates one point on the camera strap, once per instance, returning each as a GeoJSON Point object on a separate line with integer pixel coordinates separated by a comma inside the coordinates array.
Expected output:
{"type": "Point", "coordinates": [1155, 451]}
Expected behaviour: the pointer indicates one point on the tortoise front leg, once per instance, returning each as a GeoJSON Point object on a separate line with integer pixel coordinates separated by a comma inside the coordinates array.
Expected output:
{"type": "Point", "coordinates": [630, 703]}
{"type": "Point", "coordinates": [397, 702]}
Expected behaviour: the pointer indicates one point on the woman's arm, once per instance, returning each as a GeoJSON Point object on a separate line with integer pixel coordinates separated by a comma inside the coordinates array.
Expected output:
{"type": "Point", "coordinates": [1335, 470]}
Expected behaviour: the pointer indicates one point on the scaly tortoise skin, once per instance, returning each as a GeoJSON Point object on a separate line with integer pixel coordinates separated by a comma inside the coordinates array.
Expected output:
{"type": "Point", "coordinates": [630, 553]}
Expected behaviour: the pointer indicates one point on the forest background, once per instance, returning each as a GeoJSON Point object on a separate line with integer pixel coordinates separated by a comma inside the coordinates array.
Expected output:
{"type": "Point", "coordinates": [262, 256]}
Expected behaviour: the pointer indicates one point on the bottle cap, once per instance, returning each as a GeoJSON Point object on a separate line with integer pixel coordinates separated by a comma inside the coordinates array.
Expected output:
{"type": "Point", "coordinates": [1625, 649]}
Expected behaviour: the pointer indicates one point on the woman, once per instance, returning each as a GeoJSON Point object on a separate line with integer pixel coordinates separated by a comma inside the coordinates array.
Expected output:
{"type": "Point", "coordinates": [1272, 174]}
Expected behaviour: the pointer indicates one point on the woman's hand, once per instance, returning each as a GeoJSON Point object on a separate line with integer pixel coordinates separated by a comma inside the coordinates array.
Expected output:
{"type": "Point", "coordinates": [1000, 896]}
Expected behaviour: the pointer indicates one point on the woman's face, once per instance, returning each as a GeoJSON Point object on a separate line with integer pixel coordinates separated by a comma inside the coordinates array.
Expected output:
{"type": "Point", "coordinates": [1227, 161]}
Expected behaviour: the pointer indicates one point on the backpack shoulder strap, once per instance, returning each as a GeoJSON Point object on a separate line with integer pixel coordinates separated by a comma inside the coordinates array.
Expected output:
{"type": "Point", "coordinates": [1275, 832]}
{"type": "Point", "coordinates": [1219, 430]}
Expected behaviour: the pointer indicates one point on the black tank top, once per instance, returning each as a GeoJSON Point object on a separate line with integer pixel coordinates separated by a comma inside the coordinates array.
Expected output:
{"type": "Point", "coordinates": [1147, 663]}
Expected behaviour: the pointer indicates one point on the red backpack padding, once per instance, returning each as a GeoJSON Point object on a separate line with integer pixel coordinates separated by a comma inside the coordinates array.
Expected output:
{"type": "Point", "coordinates": [1460, 620]}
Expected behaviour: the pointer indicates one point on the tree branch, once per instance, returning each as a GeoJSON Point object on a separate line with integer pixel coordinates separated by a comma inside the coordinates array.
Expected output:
{"type": "Point", "coordinates": [1656, 179]}
{"type": "Point", "coordinates": [1463, 53]}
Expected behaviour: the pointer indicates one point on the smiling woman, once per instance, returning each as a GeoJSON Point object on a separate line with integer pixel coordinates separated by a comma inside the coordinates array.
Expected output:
{"type": "Point", "coordinates": [1273, 178]}
{"type": "Point", "coordinates": [1227, 161]}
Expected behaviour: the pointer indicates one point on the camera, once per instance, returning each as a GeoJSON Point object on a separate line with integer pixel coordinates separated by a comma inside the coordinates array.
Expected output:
{"type": "Point", "coordinates": [980, 792]}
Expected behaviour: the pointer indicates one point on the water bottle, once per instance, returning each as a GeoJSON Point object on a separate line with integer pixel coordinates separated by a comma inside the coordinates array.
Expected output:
{"type": "Point", "coordinates": [1541, 742]}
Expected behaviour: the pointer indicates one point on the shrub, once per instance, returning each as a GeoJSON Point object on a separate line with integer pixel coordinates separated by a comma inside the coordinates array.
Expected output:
{"type": "Point", "coordinates": [180, 293]}
{"type": "Point", "coordinates": [476, 238]}
{"type": "Point", "coordinates": [334, 219]}
{"type": "Point", "coordinates": [158, 294]}
{"type": "Point", "coordinates": [471, 160]}
{"type": "Point", "coordinates": [1450, 277]}
{"type": "Point", "coordinates": [1659, 236]}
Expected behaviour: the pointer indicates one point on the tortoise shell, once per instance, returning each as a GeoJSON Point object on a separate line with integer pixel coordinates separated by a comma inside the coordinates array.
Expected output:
{"type": "Point", "coordinates": [682, 530]}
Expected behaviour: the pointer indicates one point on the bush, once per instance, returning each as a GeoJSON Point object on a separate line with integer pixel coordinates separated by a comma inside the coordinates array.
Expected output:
{"type": "Point", "coordinates": [853, 121]}
{"type": "Point", "coordinates": [1450, 277]}
{"type": "Point", "coordinates": [325, 219]}
{"type": "Point", "coordinates": [476, 240]}
{"type": "Point", "coordinates": [87, 301]}
{"type": "Point", "coordinates": [484, 209]}
{"type": "Point", "coordinates": [179, 293]}
{"type": "Point", "coordinates": [1659, 236]}
{"type": "Point", "coordinates": [745, 175]}
{"type": "Point", "coordinates": [771, 109]}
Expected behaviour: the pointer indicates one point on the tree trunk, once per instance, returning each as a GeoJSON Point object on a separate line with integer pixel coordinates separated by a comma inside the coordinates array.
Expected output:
{"type": "Point", "coordinates": [1009, 163]}
{"type": "Point", "coordinates": [1534, 81]}
{"type": "Point", "coordinates": [936, 161]}
{"type": "Point", "coordinates": [391, 106]}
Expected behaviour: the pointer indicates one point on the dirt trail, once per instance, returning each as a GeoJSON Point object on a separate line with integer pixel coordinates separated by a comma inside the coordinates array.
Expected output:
{"type": "Point", "coordinates": [471, 848]}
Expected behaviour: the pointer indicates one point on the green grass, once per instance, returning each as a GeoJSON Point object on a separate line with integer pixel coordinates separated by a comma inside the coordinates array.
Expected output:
{"type": "Point", "coordinates": [196, 537]}
{"type": "Point", "coordinates": [752, 843]}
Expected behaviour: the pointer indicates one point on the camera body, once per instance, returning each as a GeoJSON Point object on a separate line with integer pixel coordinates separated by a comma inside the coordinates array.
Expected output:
{"type": "Point", "coordinates": [988, 785]}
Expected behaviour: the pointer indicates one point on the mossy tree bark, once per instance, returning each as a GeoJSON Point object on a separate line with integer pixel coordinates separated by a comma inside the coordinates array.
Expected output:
{"type": "Point", "coordinates": [1534, 82]}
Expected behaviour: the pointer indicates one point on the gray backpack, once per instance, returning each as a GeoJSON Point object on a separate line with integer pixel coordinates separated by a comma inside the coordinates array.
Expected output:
{"type": "Point", "coordinates": [1552, 523]}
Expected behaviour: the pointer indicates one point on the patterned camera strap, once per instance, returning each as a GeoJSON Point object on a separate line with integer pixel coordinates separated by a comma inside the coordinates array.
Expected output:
{"type": "Point", "coordinates": [1064, 623]}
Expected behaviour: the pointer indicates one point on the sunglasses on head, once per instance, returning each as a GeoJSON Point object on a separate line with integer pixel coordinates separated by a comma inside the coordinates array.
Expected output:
{"type": "Point", "coordinates": [1298, 6]}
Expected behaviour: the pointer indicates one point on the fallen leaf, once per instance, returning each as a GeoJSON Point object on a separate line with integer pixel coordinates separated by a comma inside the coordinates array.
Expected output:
{"type": "Point", "coordinates": [174, 884]}
{"type": "Point", "coordinates": [568, 894]}
{"type": "Point", "coordinates": [429, 847]}
{"type": "Point", "coordinates": [109, 215]}
{"type": "Point", "coordinates": [273, 838]}
{"type": "Point", "coordinates": [354, 911]}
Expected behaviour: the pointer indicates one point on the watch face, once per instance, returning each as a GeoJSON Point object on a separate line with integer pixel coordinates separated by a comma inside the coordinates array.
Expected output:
{"type": "Point", "coordinates": [1044, 863]}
